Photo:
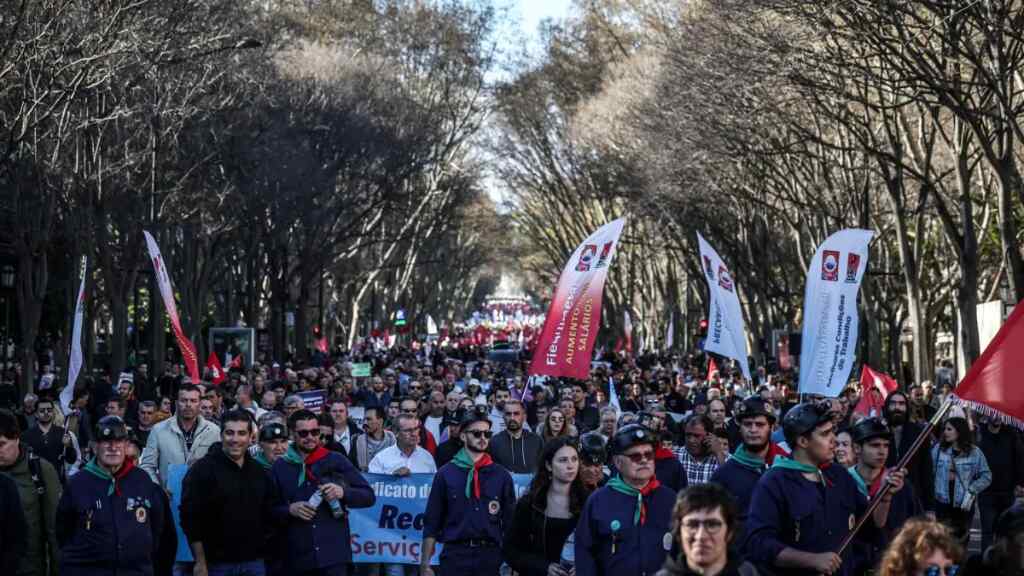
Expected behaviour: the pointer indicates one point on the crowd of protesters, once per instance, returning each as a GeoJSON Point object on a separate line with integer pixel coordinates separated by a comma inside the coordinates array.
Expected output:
{"type": "Point", "coordinates": [686, 473]}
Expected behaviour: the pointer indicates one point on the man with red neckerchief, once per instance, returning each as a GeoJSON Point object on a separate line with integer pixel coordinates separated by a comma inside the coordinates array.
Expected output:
{"type": "Point", "coordinates": [625, 527]}
{"type": "Point", "coordinates": [316, 487]}
{"type": "Point", "coordinates": [110, 517]}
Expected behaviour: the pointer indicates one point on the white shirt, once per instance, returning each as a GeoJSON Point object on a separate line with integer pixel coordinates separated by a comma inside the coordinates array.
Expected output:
{"type": "Point", "coordinates": [434, 425]}
{"type": "Point", "coordinates": [392, 458]}
{"type": "Point", "coordinates": [345, 439]}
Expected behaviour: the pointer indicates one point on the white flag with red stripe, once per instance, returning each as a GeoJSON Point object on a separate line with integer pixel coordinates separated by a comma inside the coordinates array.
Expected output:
{"type": "Point", "coordinates": [75, 362]}
{"type": "Point", "coordinates": [188, 350]}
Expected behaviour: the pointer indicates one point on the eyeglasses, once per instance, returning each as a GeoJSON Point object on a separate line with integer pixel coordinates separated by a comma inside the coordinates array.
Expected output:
{"type": "Point", "coordinates": [479, 433]}
{"type": "Point", "coordinates": [307, 433]}
{"type": "Point", "coordinates": [47, 410]}
{"type": "Point", "coordinates": [711, 525]}
{"type": "Point", "coordinates": [409, 430]}
{"type": "Point", "coordinates": [935, 570]}
{"type": "Point", "coordinates": [638, 457]}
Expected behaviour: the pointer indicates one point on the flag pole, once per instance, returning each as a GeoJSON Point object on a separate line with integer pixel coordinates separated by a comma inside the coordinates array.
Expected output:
{"type": "Point", "coordinates": [918, 443]}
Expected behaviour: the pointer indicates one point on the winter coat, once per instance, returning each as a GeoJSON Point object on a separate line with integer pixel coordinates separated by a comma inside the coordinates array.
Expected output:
{"type": "Point", "coordinates": [166, 447]}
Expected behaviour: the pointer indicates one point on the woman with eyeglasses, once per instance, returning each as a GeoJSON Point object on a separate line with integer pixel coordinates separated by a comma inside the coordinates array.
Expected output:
{"type": "Point", "coordinates": [547, 514]}
{"type": "Point", "coordinates": [704, 528]}
{"type": "Point", "coordinates": [922, 547]}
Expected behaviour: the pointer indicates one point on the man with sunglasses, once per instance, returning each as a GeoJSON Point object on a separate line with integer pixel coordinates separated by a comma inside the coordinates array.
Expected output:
{"type": "Point", "coordinates": [625, 527]}
{"type": "Point", "coordinates": [470, 506]}
{"type": "Point", "coordinates": [804, 507]}
{"type": "Point", "coordinates": [48, 440]}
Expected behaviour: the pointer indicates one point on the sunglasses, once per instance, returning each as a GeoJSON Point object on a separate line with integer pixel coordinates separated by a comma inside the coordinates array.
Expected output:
{"type": "Point", "coordinates": [935, 570]}
{"type": "Point", "coordinates": [479, 433]}
{"type": "Point", "coordinates": [638, 457]}
{"type": "Point", "coordinates": [307, 433]}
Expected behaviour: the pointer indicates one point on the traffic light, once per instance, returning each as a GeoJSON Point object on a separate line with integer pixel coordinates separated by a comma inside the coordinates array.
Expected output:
{"type": "Point", "coordinates": [702, 329]}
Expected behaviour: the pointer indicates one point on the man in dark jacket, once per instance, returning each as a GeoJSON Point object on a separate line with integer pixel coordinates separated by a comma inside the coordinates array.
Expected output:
{"type": "Point", "coordinates": [450, 447]}
{"type": "Point", "coordinates": [222, 493]}
{"type": "Point", "coordinates": [904, 432]}
{"type": "Point", "coordinates": [515, 448]}
{"type": "Point", "coordinates": [12, 526]}
{"type": "Point", "coordinates": [46, 439]}
{"type": "Point", "coordinates": [315, 486]}
{"type": "Point", "coordinates": [111, 517]}
{"type": "Point", "coordinates": [1004, 451]}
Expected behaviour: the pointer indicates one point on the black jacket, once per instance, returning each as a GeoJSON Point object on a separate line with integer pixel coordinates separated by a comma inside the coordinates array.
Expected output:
{"type": "Point", "coordinates": [517, 456]}
{"type": "Point", "coordinates": [219, 498]}
{"type": "Point", "coordinates": [50, 446]}
{"type": "Point", "coordinates": [1005, 453]}
{"type": "Point", "coordinates": [13, 529]}
{"type": "Point", "coordinates": [524, 544]}
{"type": "Point", "coordinates": [447, 451]}
{"type": "Point", "coordinates": [919, 471]}
{"type": "Point", "coordinates": [678, 567]}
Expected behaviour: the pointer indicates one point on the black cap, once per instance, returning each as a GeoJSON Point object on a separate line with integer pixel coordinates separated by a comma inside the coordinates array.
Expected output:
{"type": "Point", "coordinates": [804, 418]}
{"type": "Point", "coordinates": [453, 418]}
{"type": "Point", "coordinates": [111, 428]}
{"type": "Point", "coordinates": [592, 449]}
{"type": "Point", "coordinates": [869, 428]}
{"type": "Point", "coordinates": [475, 414]}
{"type": "Point", "coordinates": [752, 407]}
{"type": "Point", "coordinates": [1010, 522]}
{"type": "Point", "coordinates": [273, 431]}
{"type": "Point", "coordinates": [629, 436]}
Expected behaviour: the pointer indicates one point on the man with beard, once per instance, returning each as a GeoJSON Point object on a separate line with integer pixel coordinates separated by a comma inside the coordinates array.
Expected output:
{"type": "Point", "coordinates": [49, 441]}
{"type": "Point", "coordinates": [625, 527]}
{"type": "Point", "coordinates": [904, 432]}
{"type": "Point", "coordinates": [515, 448]}
{"type": "Point", "coordinates": [470, 506]}
{"type": "Point", "coordinates": [224, 491]}
{"type": "Point", "coordinates": [110, 518]}
{"type": "Point", "coordinates": [920, 410]}
{"type": "Point", "coordinates": [182, 439]}
{"type": "Point", "coordinates": [802, 509]}
{"type": "Point", "coordinates": [315, 486]}
{"type": "Point", "coordinates": [756, 453]}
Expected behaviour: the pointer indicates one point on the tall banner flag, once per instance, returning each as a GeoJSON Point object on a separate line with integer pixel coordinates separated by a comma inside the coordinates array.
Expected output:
{"type": "Point", "coordinates": [627, 326]}
{"type": "Point", "coordinates": [188, 350]}
{"type": "Point", "coordinates": [670, 332]}
{"type": "Point", "coordinates": [573, 320]}
{"type": "Point", "coordinates": [431, 326]}
{"type": "Point", "coordinates": [992, 384]}
{"type": "Point", "coordinates": [727, 333]}
{"type": "Point", "coordinates": [829, 342]}
{"type": "Point", "coordinates": [875, 387]}
{"type": "Point", "coordinates": [75, 362]}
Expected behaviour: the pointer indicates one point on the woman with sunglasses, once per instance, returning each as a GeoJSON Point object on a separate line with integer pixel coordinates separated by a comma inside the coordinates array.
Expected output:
{"type": "Point", "coordinates": [554, 426]}
{"type": "Point", "coordinates": [922, 547]}
{"type": "Point", "coordinates": [547, 514]}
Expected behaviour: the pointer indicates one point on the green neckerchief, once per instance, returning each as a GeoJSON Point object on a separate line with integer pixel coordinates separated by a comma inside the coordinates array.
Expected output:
{"type": "Point", "coordinates": [861, 485]}
{"type": "Point", "coordinates": [790, 464]}
{"type": "Point", "coordinates": [619, 485]}
{"type": "Point", "coordinates": [96, 470]}
{"type": "Point", "coordinates": [293, 456]}
{"type": "Point", "coordinates": [261, 458]}
{"type": "Point", "coordinates": [463, 460]}
{"type": "Point", "coordinates": [744, 458]}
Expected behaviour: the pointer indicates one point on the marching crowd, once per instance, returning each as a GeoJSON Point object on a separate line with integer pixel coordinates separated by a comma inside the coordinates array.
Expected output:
{"type": "Point", "coordinates": [651, 466]}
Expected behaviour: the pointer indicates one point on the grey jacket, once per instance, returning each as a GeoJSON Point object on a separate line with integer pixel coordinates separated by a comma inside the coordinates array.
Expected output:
{"type": "Point", "coordinates": [517, 456]}
{"type": "Point", "coordinates": [166, 447]}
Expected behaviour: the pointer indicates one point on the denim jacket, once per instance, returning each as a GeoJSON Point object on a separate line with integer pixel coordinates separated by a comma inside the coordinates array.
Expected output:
{"type": "Point", "coordinates": [972, 475]}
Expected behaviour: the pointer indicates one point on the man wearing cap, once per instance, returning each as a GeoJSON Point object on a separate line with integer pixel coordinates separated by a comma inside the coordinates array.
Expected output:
{"type": "Point", "coordinates": [668, 468]}
{"type": "Point", "coordinates": [803, 507]}
{"type": "Point", "coordinates": [470, 506]}
{"type": "Point", "coordinates": [625, 527]}
{"type": "Point", "coordinates": [756, 453]}
{"type": "Point", "coordinates": [871, 441]}
{"type": "Point", "coordinates": [273, 444]}
{"type": "Point", "coordinates": [447, 450]}
{"type": "Point", "coordinates": [110, 517]}
{"type": "Point", "coordinates": [593, 457]}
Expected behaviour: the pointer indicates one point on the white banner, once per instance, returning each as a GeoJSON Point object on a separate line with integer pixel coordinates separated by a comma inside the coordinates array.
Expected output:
{"type": "Point", "coordinates": [75, 361]}
{"type": "Point", "coordinates": [829, 342]}
{"type": "Point", "coordinates": [670, 331]}
{"type": "Point", "coordinates": [188, 350]}
{"type": "Point", "coordinates": [727, 333]}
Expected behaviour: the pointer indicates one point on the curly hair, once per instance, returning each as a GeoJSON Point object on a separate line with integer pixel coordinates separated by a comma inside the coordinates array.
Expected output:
{"type": "Point", "coordinates": [914, 543]}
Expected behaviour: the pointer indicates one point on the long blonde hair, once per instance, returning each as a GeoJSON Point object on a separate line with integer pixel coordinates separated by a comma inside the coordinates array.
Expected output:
{"type": "Point", "coordinates": [914, 543]}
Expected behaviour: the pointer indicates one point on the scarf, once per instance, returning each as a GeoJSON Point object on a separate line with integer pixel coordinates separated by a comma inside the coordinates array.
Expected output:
{"type": "Point", "coordinates": [261, 458]}
{"type": "Point", "coordinates": [100, 472]}
{"type": "Point", "coordinates": [748, 460]}
{"type": "Point", "coordinates": [787, 463]}
{"type": "Point", "coordinates": [866, 490]}
{"type": "Point", "coordinates": [465, 461]}
{"type": "Point", "coordinates": [640, 514]}
{"type": "Point", "coordinates": [294, 457]}
{"type": "Point", "coordinates": [662, 453]}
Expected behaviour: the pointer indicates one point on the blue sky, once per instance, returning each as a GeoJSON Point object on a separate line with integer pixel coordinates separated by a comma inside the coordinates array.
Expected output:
{"type": "Point", "coordinates": [531, 12]}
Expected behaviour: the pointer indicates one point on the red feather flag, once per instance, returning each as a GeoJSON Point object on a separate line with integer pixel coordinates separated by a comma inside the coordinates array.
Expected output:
{"type": "Point", "coordinates": [992, 385]}
{"type": "Point", "coordinates": [216, 370]}
{"type": "Point", "coordinates": [875, 387]}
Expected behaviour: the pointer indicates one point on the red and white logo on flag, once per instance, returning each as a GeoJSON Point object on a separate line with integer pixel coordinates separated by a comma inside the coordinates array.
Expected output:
{"type": "Point", "coordinates": [830, 265]}
{"type": "Point", "coordinates": [216, 370]}
{"type": "Point", "coordinates": [852, 267]}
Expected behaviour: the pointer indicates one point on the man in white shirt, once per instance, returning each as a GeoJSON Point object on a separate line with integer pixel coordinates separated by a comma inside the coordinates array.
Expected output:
{"type": "Point", "coordinates": [436, 414]}
{"type": "Point", "coordinates": [406, 456]}
{"type": "Point", "coordinates": [344, 430]}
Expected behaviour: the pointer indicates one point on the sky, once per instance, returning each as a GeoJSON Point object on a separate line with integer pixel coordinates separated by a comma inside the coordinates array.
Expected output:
{"type": "Point", "coordinates": [531, 12]}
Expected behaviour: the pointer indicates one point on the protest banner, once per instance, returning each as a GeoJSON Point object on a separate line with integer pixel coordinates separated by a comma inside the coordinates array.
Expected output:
{"type": "Point", "coordinates": [574, 318]}
{"type": "Point", "coordinates": [727, 333]}
{"type": "Point", "coordinates": [314, 400]}
{"type": "Point", "coordinates": [391, 531]}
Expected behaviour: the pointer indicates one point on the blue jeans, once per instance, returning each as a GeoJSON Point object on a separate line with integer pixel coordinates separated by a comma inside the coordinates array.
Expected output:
{"type": "Point", "coordinates": [254, 568]}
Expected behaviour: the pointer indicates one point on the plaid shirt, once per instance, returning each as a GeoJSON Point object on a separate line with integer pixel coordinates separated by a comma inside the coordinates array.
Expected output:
{"type": "Point", "coordinates": [697, 471]}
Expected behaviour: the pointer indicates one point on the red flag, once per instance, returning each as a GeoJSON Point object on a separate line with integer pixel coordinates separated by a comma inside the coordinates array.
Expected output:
{"type": "Point", "coordinates": [875, 387]}
{"type": "Point", "coordinates": [712, 367]}
{"type": "Point", "coordinates": [992, 385]}
{"type": "Point", "coordinates": [321, 344]}
{"type": "Point", "coordinates": [628, 327]}
{"type": "Point", "coordinates": [236, 362]}
{"type": "Point", "coordinates": [216, 370]}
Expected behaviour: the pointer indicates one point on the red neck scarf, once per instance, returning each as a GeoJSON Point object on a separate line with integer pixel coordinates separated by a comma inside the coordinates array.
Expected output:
{"type": "Point", "coordinates": [662, 453]}
{"type": "Point", "coordinates": [312, 458]}
{"type": "Point", "coordinates": [773, 451]}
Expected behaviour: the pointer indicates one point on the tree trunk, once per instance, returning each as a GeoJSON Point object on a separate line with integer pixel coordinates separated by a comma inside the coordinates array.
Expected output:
{"type": "Point", "coordinates": [33, 277]}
